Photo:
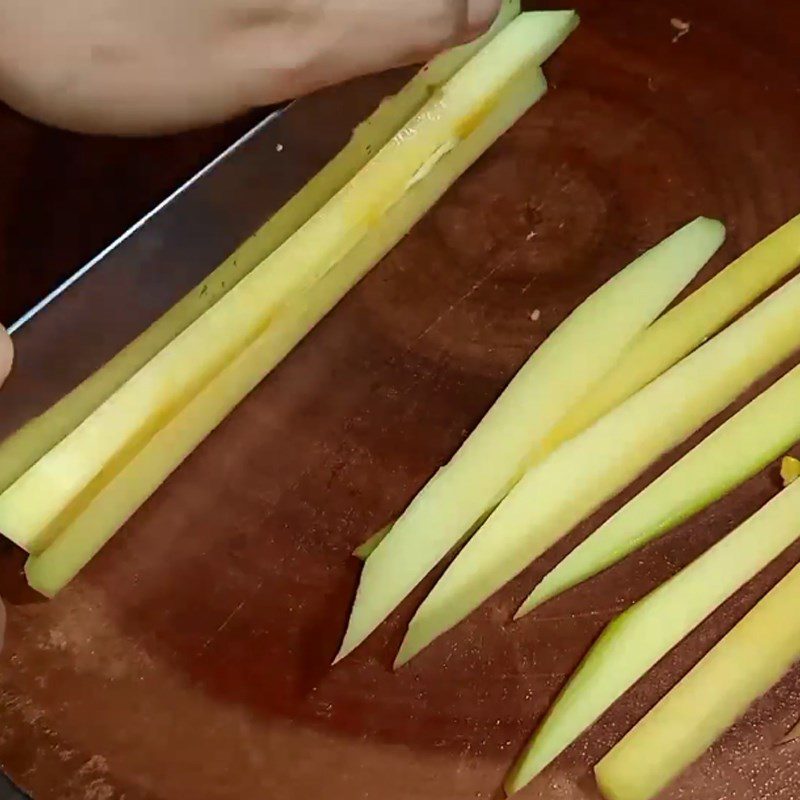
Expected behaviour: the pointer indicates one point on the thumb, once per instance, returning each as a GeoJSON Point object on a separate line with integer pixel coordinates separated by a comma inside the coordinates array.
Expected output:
{"type": "Point", "coordinates": [6, 355]}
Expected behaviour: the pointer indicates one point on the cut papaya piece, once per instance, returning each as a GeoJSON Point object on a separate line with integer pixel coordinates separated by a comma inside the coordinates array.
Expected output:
{"type": "Point", "coordinates": [689, 324]}
{"type": "Point", "coordinates": [579, 352]}
{"type": "Point", "coordinates": [790, 470]}
{"type": "Point", "coordinates": [548, 502]}
{"type": "Point", "coordinates": [641, 636]}
{"type": "Point", "coordinates": [751, 659]}
{"type": "Point", "coordinates": [108, 510]}
{"type": "Point", "coordinates": [367, 547]}
{"type": "Point", "coordinates": [681, 330]}
{"type": "Point", "coordinates": [740, 448]}
{"type": "Point", "coordinates": [26, 446]}
{"type": "Point", "coordinates": [365, 550]}
{"type": "Point", "coordinates": [34, 508]}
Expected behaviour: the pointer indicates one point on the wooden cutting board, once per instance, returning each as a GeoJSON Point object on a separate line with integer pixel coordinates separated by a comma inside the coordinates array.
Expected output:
{"type": "Point", "coordinates": [191, 659]}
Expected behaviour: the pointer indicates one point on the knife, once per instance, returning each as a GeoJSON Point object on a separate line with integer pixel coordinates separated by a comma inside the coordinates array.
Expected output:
{"type": "Point", "coordinates": [117, 295]}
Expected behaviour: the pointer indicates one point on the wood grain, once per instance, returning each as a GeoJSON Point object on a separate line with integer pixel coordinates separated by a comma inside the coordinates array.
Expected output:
{"type": "Point", "coordinates": [191, 658]}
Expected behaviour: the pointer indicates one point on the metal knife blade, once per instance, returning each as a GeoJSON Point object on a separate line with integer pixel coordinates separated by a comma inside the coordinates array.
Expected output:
{"type": "Point", "coordinates": [112, 299]}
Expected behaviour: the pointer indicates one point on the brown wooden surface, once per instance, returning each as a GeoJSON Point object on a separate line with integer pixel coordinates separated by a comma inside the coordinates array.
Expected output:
{"type": "Point", "coordinates": [191, 658]}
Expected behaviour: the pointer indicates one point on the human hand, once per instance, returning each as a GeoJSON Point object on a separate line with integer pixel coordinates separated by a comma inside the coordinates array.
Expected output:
{"type": "Point", "coordinates": [6, 356]}
{"type": "Point", "coordinates": [145, 66]}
